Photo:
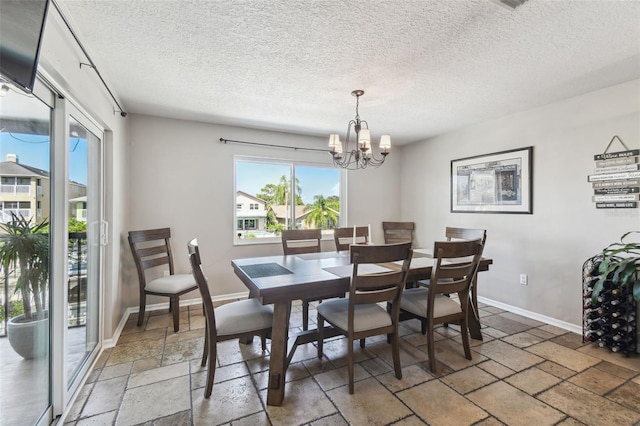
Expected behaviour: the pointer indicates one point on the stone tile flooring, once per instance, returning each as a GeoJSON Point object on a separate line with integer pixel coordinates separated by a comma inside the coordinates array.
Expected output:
{"type": "Point", "coordinates": [524, 373]}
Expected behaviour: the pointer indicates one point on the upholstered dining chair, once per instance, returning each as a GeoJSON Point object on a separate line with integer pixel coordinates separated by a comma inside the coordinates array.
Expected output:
{"type": "Point", "coordinates": [151, 249]}
{"type": "Point", "coordinates": [302, 241]}
{"type": "Point", "coordinates": [398, 232]}
{"type": "Point", "coordinates": [343, 237]}
{"type": "Point", "coordinates": [360, 315]}
{"type": "Point", "coordinates": [243, 318]}
{"type": "Point", "coordinates": [455, 264]}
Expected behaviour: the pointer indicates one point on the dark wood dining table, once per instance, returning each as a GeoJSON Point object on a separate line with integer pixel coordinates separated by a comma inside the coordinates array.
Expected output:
{"type": "Point", "coordinates": [279, 280]}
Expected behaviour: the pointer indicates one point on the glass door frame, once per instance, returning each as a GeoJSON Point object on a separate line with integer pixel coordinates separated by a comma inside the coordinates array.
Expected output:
{"type": "Point", "coordinates": [62, 393]}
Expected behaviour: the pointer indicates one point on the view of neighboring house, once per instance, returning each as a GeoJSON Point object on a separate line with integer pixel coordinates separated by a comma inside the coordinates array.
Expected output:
{"type": "Point", "coordinates": [283, 215]}
{"type": "Point", "coordinates": [251, 216]}
{"type": "Point", "coordinates": [251, 213]}
{"type": "Point", "coordinates": [78, 208]}
{"type": "Point", "coordinates": [24, 190]}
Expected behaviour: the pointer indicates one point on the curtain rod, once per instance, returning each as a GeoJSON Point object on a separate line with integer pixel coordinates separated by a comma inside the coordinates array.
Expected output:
{"type": "Point", "coordinates": [223, 140]}
{"type": "Point", "coordinates": [91, 64]}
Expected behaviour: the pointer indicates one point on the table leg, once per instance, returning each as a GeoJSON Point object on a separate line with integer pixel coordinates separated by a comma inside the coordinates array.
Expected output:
{"type": "Point", "coordinates": [277, 363]}
{"type": "Point", "coordinates": [474, 316]}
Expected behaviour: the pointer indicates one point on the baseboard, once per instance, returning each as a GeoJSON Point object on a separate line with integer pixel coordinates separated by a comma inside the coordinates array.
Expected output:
{"type": "Point", "coordinates": [110, 343]}
{"type": "Point", "coordinates": [533, 315]}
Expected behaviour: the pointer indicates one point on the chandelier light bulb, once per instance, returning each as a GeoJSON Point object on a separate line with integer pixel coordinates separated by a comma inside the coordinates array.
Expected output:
{"type": "Point", "coordinates": [364, 139]}
{"type": "Point", "coordinates": [385, 144]}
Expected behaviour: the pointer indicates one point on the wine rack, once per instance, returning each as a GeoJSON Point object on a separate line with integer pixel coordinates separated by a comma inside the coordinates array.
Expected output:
{"type": "Point", "coordinates": [610, 321]}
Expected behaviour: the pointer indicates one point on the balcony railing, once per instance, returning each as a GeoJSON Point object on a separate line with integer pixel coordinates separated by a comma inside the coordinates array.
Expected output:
{"type": "Point", "coordinates": [15, 189]}
{"type": "Point", "coordinates": [5, 215]}
{"type": "Point", "coordinates": [11, 302]}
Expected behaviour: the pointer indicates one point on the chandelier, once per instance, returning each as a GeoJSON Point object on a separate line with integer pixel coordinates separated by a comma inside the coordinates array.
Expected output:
{"type": "Point", "coordinates": [360, 155]}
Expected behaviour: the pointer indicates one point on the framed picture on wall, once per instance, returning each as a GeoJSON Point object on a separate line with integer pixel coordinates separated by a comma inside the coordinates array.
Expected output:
{"type": "Point", "coordinates": [501, 182]}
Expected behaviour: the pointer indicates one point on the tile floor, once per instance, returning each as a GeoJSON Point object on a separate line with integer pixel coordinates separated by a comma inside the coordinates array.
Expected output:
{"type": "Point", "coordinates": [523, 373]}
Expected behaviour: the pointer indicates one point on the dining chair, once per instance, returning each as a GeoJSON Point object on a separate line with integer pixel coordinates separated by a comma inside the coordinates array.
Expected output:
{"type": "Point", "coordinates": [151, 249]}
{"type": "Point", "coordinates": [455, 264]}
{"type": "Point", "coordinates": [302, 241]}
{"type": "Point", "coordinates": [240, 319]}
{"type": "Point", "coordinates": [344, 237]}
{"type": "Point", "coordinates": [452, 233]}
{"type": "Point", "coordinates": [360, 315]}
{"type": "Point", "coordinates": [398, 232]}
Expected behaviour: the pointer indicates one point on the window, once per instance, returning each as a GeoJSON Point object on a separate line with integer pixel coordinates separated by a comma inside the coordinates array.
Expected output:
{"type": "Point", "coordinates": [284, 195]}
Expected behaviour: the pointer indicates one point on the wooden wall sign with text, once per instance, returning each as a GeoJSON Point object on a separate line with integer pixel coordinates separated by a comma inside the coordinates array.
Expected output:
{"type": "Point", "coordinates": [616, 178]}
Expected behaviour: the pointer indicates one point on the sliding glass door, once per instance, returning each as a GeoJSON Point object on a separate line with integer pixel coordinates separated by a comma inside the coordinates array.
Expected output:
{"type": "Point", "coordinates": [25, 296]}
{"type": "Point", "coordinates": [50, 288]}
{"type": "Point", "coordinates": [83, 265]}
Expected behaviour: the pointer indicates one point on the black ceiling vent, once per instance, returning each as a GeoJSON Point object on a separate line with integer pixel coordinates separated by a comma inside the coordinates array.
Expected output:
{"type": "Point", "coordinates": [509, 4]}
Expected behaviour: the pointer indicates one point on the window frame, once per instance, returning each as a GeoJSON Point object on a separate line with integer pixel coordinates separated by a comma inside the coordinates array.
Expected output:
{"type": "Point", "coordinates": [326, 234]}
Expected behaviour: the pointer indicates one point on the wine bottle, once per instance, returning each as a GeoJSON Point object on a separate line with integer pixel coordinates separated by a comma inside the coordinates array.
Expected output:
{"type": "Point", "coordinates": [617, 312]}
{"type": "Point", "coordinates": [602, 330]}
{"type": "Point", "coordinates": [622, 336]}
{"type": "Point", "coordinates": [624, 329]}
{"type": "Point", "coordinates": [596, 324]}
{"type": "Point", "coordinates": [605, 341]}
{"type": "Point", "coordinates": [620, 347]}
{"type": "Point", "coordinates": [596, 313]}
{"type": "Point", "coordinates": [620, 322]}
{"type": "Point", "coordinates": [590, 336]}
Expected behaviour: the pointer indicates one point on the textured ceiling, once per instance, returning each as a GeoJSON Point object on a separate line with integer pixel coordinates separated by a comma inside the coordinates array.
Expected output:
{"type": "Point", "coordinates": [427, 67]}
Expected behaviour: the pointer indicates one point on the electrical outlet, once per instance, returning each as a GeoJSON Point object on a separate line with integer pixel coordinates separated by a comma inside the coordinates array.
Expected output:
{"type": "Point", "coordinates": [524, 280]}
{"type": "Point", "coordinates": [166, 274]}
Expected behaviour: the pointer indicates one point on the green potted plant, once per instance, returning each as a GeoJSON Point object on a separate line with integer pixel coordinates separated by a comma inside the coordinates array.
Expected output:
{"type": "Point", "coordinates": [620, 265]}
{"type": "Point", "coordinates": [25, 246]}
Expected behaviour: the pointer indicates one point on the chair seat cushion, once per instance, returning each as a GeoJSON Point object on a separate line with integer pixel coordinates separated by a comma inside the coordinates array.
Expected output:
{"type": "Point", "coordinates": [365, 317]}
{"type": "Point", "coordinates": [427, 282]}
{"type": "Point", "coordinates": [242, 316]}
{"type": "Point", "coordinates": [172, 284]}
{"type": "Point", "coordinates": [415, 300]}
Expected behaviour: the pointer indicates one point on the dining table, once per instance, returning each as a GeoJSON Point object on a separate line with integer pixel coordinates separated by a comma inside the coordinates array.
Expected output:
{"type": "Point", "coordinates": [281, 279]}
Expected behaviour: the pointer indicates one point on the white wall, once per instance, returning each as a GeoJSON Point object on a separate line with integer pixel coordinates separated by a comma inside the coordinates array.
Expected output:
{"type": "Point", "coordinates": [181, 177]}
{"type": "Point", "coordinates": [60, 60]}
{"type": "Point", "coordinates": [565, 228]}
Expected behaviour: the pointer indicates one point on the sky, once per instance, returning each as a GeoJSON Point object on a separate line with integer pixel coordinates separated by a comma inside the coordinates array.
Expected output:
{"type": "Point", "coordinates": [33, 150]}
{"type": "Point", "coordinates": [252, 177]}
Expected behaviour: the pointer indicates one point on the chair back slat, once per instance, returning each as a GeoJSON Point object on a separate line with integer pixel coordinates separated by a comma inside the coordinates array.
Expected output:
{"type": "Point", "coordinates": [452, 233]}
{"type": "Point", "coordinates": [151, 248]}
{"type": "Point", "coordinates": [343, 237]}
{"type": "Point", "coordinates": [150, 235]}
{"type": "Point", "coordinates": [455, 264]}
{"type": "Point", "coordinates": [155, 262]}
{"type": "Point", "coordinates": [378, 287]}
{"type": "Point", "coordinates": [300, 241]}
{"type": "Point", "coordinates": [398, 232]}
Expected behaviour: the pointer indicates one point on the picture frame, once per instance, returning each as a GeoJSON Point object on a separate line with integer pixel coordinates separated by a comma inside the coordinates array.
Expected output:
{"type": "Point", "coordinates": [500, 182]}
